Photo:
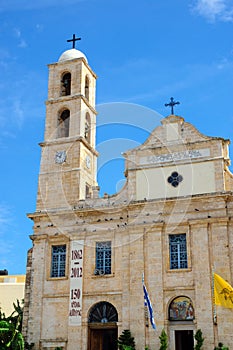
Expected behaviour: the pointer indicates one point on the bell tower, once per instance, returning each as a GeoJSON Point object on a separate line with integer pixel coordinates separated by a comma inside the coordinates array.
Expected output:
{"type": "Point", "coordinates": [68, 159]}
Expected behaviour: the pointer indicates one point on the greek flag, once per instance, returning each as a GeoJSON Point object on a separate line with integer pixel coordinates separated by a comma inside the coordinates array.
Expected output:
{"type": "Point", "coordinates": [149, 306]}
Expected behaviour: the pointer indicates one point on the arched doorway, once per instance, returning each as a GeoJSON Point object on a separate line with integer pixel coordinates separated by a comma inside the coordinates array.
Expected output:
{"type": "Point", "coordinates": [102, 327]}
{"type": "Point", "coordinates": [181, 316]}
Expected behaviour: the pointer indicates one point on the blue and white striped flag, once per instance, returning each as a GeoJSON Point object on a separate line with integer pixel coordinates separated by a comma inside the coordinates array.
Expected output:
{"type": "Point", "coordinates": [149, 306]}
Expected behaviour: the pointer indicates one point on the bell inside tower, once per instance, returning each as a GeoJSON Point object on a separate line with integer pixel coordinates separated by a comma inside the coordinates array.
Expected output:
{"type": "Point", "coordinates": [66, 84]}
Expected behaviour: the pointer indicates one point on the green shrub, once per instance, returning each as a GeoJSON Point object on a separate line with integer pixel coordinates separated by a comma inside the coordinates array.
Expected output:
{"type": "Point", "coordinates": [163, 340]}
{"type": "Point", "coordinates": [10, 329]}
{"type": "Point", "coordinates": [126, 341]}
{"type": "Point", "coordinates": [221, 347]}
{"type": "Point", "coordinates": [199, 339]}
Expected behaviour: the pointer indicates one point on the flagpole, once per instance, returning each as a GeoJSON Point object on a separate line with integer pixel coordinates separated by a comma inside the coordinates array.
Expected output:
{"type": "Point", "coordinates": [214, 311]}
{"type": "Point", "coordinates": [214, 305]}
{"type": "Point", "coordinates": [145, 309]}
{"type": "Point", "coordinates": [146, 325]}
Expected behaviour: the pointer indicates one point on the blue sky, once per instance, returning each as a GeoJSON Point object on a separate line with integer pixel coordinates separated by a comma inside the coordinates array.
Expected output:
{"type": "Point", "coordinates": [143, 52]}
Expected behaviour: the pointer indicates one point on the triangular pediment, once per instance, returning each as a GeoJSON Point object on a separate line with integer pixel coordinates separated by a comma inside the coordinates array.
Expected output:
{"type": "Point", "coordinates": [172, 131]}
{"type": "Point", "coordinates": [177, 160]}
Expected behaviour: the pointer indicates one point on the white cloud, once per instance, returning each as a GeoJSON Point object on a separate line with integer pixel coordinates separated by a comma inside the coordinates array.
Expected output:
{"type": "Point", "coordinates": [223, 63]}
{"type": "Point", "coordinates": [4, 215]}
{"type": "Point", "coordinates": [190, 76]}
{"type": "Point", "coordinates": [22, 43]}
{"type": "Point", "coordinates": [11, 106]}
{"type": "Point", "coordinates": [19, 100]}
{"type": "Point", "coordinates": [6, 219]}
{"type": "Point", "coordinates": [18, 112]}
{"type": "Point", "coordinates": [6, 235]}
{"type": "Point", "coordinates": [17, 32]}
{"type": "Point", "coordinates": [4, 59]}
{"type": "Point", "coordinates": [214, 10]}
{"type": "Point", "coordinates": [39, 27]}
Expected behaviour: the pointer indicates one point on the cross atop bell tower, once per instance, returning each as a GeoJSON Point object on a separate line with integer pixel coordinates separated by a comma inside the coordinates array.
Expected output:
{"type": "Point", "coordinates": [73, 40]}
{"type": "Point", "coordinates": [68, 160]}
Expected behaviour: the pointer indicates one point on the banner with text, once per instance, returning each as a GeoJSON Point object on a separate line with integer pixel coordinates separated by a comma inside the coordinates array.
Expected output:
{"type": "Point", "coordinates": [76, 279]}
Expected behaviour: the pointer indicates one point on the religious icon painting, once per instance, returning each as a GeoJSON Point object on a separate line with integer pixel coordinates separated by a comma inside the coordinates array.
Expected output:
{"type": "Point", "coordinates": [181, 309]}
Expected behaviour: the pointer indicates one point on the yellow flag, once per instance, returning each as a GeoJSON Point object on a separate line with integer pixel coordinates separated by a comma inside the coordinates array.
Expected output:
{"type": "Point", "coordinates": [223, 292]}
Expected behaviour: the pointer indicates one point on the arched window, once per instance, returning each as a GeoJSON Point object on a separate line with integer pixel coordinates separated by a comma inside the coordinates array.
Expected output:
{"type": "Point", "coordinates": [87, 87]}
{"type": "Point", "coordinates": [87, 132]}
{"type": "Point", "coordinates": [63, 124]}
{"type": "Point", "coordinates": [103, 312]}
{"type": "Point", "coordinates": [88, 190]}
{"type": "Point", "coordinates": [66, 84]}
{"type": "Point", "coordinates": [181, 309]}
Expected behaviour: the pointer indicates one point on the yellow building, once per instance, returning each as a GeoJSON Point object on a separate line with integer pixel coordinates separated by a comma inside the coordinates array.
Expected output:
{"type": "Point", "coordinates": [172, 221]}
{"type": "Point", "coordinates": [11, 289]}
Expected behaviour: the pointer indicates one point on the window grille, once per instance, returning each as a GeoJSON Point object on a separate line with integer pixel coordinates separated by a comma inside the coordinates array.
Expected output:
{"type": "Point", "coordinates": [178, 251]}
{"type": "Point", "coordinates": [103, 257]}
{"type": "Point", "coordinates": [58, 265]}
{"type": "Point", "coordinates": [174, 179]}
{"type": "Point", "coordinates": [103, 312]}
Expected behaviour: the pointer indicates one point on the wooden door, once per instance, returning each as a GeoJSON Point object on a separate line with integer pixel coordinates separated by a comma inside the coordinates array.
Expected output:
{"type": "Point", "coordinates": [103, 339]}
{"type": "Point", "coordinates": [184, 340]}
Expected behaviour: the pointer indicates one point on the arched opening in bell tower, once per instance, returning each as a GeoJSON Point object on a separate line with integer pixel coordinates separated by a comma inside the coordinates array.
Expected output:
{"type": "Point", "coordinates": [87, 133]}
{"type": "Point", "coordinates": [87, 87]}
{"type": "Point", "coordinates": [66, 84]}
{"type": "Point", "coordinates": [63, 124]}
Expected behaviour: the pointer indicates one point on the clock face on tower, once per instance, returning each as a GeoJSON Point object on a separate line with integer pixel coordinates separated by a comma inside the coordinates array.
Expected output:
{"type": "Point", "coordinates": [88, 162]}
{"type": "Point", "coordinates": [60, 157]}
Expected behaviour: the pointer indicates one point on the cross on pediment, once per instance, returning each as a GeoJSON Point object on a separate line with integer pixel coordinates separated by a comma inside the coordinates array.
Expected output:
{"type": "Point", "coordinates": [171, 104]}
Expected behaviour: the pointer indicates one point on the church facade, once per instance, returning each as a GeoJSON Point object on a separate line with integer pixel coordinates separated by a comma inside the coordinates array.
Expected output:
{"type": "Point", "coordinates": [172, 221]}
